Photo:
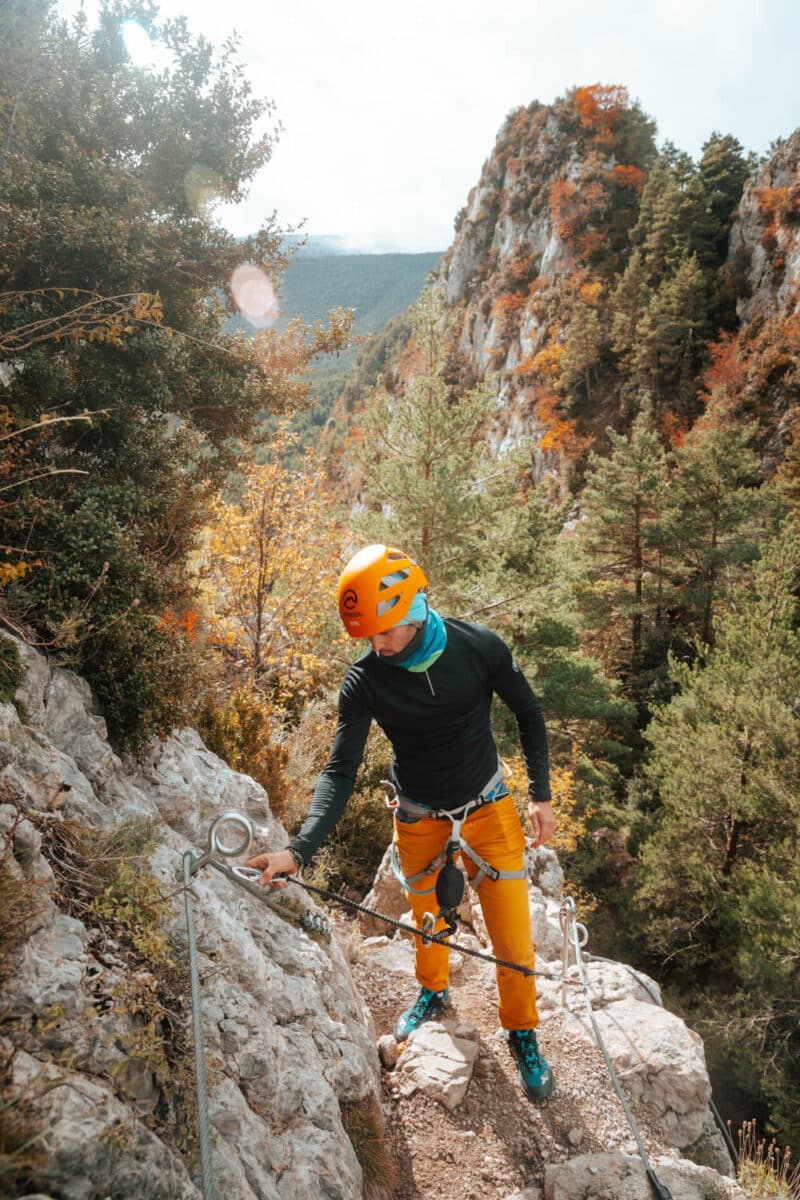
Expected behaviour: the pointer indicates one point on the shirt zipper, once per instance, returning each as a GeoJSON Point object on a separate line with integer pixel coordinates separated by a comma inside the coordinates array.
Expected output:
{"type": "Point", "coordinates": [430, 685]}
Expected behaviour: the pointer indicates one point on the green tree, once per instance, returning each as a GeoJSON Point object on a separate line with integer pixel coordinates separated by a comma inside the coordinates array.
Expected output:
{"type": "Point", "coordinates": [708, 523]}
{"type": "Point", "coordinates": [429, 477]}
{"type": "Point", "coordinates": [719, 878]}
{"type": "Point", "coordinates": [628, 302]}
{"type": "Point", "coordinates": [669, 344]}
{"type": "Point", "coordinates": [661, 232]}
{"type": "Point", "coordinates": [622, 591]}
{"type": "Point", "coordinates": [717, 188]}
{"type": "Point", "coordinates": [107, 174]}
{"type": "Point", "coordinates": [582, 348]}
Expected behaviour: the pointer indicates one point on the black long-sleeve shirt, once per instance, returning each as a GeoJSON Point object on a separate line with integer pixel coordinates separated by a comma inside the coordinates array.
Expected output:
{"type": "Point", "coordinates": [438, 724]}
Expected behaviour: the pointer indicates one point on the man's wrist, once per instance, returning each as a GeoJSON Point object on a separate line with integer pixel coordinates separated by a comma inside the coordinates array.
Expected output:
{"type": "Point", "coordinates": [299, 861]}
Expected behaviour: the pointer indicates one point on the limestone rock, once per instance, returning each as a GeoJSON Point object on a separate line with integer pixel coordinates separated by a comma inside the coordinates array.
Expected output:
{"type": "Point", "coordinates": [660, 1061]}
{"type": "Point", "coordinates": [388, 1051]}
{"type": "Point", "coordinates": [97, 1146]}
{"type": "Point", "coordinates": [773, 277]}
{"type": "Point", "coordinates": [438, 1059]}
{"type": "Point", "coordinates": [544, 871]}
{"type": "Point", "coordinates": [285, 1033]}
{"type": "Point", "coordinates": [614, 1176]}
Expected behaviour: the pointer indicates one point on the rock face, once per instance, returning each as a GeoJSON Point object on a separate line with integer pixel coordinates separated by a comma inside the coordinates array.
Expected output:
{"type": "Point", "coordinates": [286, 1036]}
{"type": "Point", "coordinates": [765, 237]}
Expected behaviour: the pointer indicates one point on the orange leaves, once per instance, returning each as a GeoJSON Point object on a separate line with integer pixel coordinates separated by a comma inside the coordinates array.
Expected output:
{"type": "Point", "coordinates": [95, 318]}
{"type": "Point", "coordinates": [183, 623]}
{"type": "Point", "coordinates": [560, 434]}
{"type": "Point", "coordinates": [598, 107]}
{"type": "Point", "coordinates": [509, 302]}
{"type": "Point", "coordinates": [778, 207]}
{"type": "Point", "coordinates": [624, 176]}
{"type": "Point", "coordinates": [673, 429]}
{"type": "Point", "coordinates": [10, 571]}
{"type": "Point", "coordinates": [725, 373]}
{"type": "Point", "coordinates": [548, 361]}
{"type": "Point", "coordinates": [563, 203]}
{"type": "Point", "coordinates": [780, 204]}
{"type": "Point", "coordinates": [590, 292]}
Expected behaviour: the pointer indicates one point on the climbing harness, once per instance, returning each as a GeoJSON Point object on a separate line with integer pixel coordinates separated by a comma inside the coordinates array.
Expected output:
{"type": "Point", "coordinates": [449, 884]}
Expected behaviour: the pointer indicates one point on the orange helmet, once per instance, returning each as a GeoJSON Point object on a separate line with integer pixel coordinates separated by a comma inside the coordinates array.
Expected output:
{"type": "Point", "coordinates": [371, 598]}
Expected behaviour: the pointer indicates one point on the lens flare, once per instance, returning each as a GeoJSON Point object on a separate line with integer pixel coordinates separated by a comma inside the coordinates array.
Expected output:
{"type": "Point", "coordinates": [254, 295]}
{"type": "Point", "coordinates": [141, 50]}
{"type": "Point", "coordinates": [203, 188]}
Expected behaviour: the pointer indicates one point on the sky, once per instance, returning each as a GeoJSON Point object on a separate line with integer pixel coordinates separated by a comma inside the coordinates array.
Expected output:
{"type": "Point", "coordinates": [389, 110]}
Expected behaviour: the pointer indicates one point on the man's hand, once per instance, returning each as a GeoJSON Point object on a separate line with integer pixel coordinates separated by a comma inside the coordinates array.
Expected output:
{"type": "Point", "coordinates": [281, 862]}
{"type": "Point", "coordinates": [543, 822]}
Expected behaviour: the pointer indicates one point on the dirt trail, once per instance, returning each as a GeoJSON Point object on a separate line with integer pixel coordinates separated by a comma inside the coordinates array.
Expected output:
{"type": "Point", "coordinates": [495, 1144]}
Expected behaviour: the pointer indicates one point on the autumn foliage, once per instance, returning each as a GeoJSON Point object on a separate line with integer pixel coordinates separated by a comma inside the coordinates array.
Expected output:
{"type": "Point", "coordinates": [269, 566]}
{"type": "Point", "coordinates": [600, 107]}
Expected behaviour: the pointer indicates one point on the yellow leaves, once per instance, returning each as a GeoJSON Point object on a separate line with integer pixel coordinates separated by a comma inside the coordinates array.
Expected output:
{"type": "Point", "coordinates": [269, 563]}
{"type": "Point", "coordinates": [548, 361]}
{"type": "Point", "coordinates": [590, 292]}
{"type": "Point", "coordinates": [10, 571]}
{"type": "Point", "coordinates": [96, 318]}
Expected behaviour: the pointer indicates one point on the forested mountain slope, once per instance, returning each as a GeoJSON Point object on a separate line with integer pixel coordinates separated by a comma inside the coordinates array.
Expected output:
{"type": "Point", "coordinates": [587, 267]}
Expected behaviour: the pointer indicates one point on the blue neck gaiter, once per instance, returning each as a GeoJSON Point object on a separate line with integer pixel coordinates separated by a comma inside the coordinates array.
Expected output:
{"type": "Point", "coordinates": [425, 648]}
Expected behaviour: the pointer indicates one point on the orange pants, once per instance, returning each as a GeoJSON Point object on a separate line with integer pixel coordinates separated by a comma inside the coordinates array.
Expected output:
{"type": "Point", "coordinates": [495, 834]}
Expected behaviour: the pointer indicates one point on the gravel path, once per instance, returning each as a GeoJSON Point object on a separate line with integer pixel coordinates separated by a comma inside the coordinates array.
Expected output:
{"type": "Point", "coordinates": [495, 1144]}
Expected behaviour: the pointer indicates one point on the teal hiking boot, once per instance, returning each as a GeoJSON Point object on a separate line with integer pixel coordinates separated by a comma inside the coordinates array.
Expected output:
{"type": "Point", "coordinates": [427, 1005]}
{"type": "Point", "coordinates": [534, 1071]}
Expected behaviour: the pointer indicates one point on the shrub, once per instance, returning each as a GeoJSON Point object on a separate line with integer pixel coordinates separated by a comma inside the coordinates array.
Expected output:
{"type": "Point", "coordinates": [353, 852]}
{"type": "Point", "coordinates": [241, 730]}
{"type": "Point", "coordinates": [763, 1170]}
{"type": "Point", "coordinates": [104, 880]}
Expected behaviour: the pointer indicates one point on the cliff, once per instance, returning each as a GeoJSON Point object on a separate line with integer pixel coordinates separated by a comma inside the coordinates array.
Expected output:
{"type": "Point", "coordinates": [766, 235]}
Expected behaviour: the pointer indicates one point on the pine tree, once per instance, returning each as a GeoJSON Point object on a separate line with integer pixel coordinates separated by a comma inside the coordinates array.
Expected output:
{"type": "Point", "coordinates": [622, 502]}
{"type": "Point", "coordinates": [582, 348]}
{"type": "Point", "coordinates": [430, 480]}
{"type": "Point", "coordinates": [719, 875]}
{"type": "Point", "coordinates": [669, 346]}
{"type": "Point", "coordinates": [708, 521]}
{"type": "Point", "coordinates": [628, 303]}
{"type": "Point", "coordinates": [717, 187]}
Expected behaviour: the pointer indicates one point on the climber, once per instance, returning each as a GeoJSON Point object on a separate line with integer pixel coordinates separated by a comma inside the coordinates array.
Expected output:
{"type": "Point", "coordinates": [428, 683]}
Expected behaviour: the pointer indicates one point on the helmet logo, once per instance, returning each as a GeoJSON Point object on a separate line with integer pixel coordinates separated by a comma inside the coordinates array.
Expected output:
{"type": "Point", "coordinates": [349, 600]}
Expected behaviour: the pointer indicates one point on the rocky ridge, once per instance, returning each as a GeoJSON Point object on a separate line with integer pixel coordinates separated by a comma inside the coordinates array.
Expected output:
{"type": "Point", "coordinates": [291, 1023]}
{"type": "Point", "coordinates": [766, 235]}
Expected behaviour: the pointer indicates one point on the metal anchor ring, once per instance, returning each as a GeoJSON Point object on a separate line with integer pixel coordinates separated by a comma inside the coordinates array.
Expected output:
{"type": "Point", "coordinates": [215, 842]}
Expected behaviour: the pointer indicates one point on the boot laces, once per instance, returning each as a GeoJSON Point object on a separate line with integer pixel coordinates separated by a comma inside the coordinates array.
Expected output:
{"type": "Point", "coordinates": [423, 1002]}
{"type": "Point", "coordinates": [526, 1044]}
